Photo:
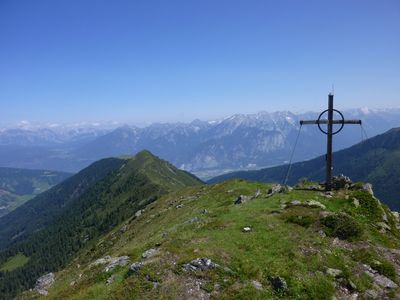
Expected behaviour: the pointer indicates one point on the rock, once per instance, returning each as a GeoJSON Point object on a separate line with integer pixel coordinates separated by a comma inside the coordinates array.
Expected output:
{"type": "Point", "coordinates": [135, 267]}
{"type": "Point", "coordinates": [333, 272]}
{"type": "Point", "coordinates": [368, 188]}
{"type": "Point", "coordinates": [201, 264]}
{"type": "Point", "coordinates": [117, 262]}
{"type": "Point", "coordinates": [295, 203]}
{"type": "Point", "coordinates": [138, 213]}
{"type": "Point", "coordinates": [356, 202]}
{"type": "Point", "coordinates": [204, 211]}
{"type": "Point", "coordinates": [351, 286]}
{"type": "Point", "coordinates": [341, 182]}
{"type": "Point", "coordinates": [277, 188]}
{"type": "Point", "coordinates": [44, 282]}
{"type": "Point", "coordinates": [279, 283]}
{"type": "Point", "coordinates": [383, 227]}
{"type": "Point", "coordinates": [241, 199]}
{"type": "Point", "coordinates": [382, 280]}
{"type": "Point", "coordinates": [384, 217]}
{"type": "Point", "coordinates": [371, 294]}
{"type": "Point", "coordinates": [72, 283]}
{"type": "Point", "coordinates": [192, 220]}
{"type": "Point", "coordinates": [322, 233]}
{"type": "Point", "coordinates": [396, 216]}
{"type": "Point", "coordinates": [179, 206]}
{"type": "Point", "coordinates": [314, 203]}
{"type": "Point", "coordinates": [257, 285]}
{"type": "Point", "coordinates": [110, 279]}
{"type": "Point", "coordinates": [246, 229]}
{"type": "Point", "coordinates": [258, 193]}
{"type": "Point", "coordinates": [124, 228]}
{"type": "Point", "coordinates": [149, 253]}
{"type": "Point", "coordinates": [101, 261]}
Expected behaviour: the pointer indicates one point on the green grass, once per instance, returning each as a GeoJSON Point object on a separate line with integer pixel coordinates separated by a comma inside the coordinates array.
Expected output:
{"type": "Point", "coordinates": [14, 262]}
{"type": "Point", "coordinates": [280, 244]}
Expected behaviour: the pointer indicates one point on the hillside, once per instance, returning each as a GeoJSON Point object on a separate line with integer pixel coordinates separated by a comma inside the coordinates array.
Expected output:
{"type": "Point", "coordinates": [20, 185]}
{"type": "Point", "coordinates": [88, 205]}
{"type": "Point", "coordinates": [376, 160]}
{"type": "Point", "coordinates": [240, 240]}
{"type": "Point", "coordinates": [40, 211]}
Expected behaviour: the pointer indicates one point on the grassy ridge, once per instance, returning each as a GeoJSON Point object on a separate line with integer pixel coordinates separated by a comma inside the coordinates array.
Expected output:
{"type": "Point", "coordinates": [204, 222]}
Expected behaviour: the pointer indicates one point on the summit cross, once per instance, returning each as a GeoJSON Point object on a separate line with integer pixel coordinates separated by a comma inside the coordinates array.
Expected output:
{"type": "Point", "coordinates": [329, 133]}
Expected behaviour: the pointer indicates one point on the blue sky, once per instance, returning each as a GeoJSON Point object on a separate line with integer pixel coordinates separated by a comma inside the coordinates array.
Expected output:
{"type": "Point", "coordinates": [146, 61]}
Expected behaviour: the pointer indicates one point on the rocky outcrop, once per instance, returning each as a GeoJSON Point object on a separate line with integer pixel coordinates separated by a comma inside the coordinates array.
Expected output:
{"type": "Point", "coordinates": [135, 267]}
{"type": "Point", "coordinates": [111, 262]}
{"type": "Point", "coordinates": [149, 253]}
{"type": "Point", "coordinates": [277, 188]}
{"type": "Point", "coordinates": [44, 282]}
{"type": "Point", "coordinates": [201, 264]}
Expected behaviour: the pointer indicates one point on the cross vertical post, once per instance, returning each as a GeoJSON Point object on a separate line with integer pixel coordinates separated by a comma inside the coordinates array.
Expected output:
{"type": "Point", "coordinates": [328, 184]}
{"type": "Point", "coordinates": [330, 132]}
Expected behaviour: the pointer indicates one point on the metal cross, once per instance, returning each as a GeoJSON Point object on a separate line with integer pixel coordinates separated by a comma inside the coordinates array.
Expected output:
{"type": "Point", "coordinates": [329, 132]}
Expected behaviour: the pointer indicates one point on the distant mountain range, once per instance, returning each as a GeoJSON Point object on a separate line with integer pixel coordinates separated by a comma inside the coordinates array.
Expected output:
{"type": "Point", "coordinates": [204, 148]}
{"type": "Point", "coordinates": [376, 160]}
{"type": "Point", "coordinates": [19, 185]}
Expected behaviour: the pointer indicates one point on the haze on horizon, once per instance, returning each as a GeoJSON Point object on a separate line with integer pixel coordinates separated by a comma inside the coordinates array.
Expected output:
{"type": "Point", "coordinates": [158, 61]}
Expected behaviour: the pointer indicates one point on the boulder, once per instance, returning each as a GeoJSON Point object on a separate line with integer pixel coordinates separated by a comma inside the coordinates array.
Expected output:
{"type": "Point", "coordinates": [241, 199]}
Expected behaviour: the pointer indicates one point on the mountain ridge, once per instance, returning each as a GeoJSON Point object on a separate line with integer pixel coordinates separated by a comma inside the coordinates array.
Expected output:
{"type": "Point", "coordinates": [203, 147]}
{"type": "Point", "coordinates": [118, 192]}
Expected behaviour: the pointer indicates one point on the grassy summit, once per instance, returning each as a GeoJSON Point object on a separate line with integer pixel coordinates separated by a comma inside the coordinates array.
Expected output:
{"type": "Point", "coordinates": [196, 243]}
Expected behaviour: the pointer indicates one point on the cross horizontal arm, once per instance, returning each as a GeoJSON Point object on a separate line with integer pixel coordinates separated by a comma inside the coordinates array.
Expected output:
{"type": "Point", "coordinates": [312, 122]}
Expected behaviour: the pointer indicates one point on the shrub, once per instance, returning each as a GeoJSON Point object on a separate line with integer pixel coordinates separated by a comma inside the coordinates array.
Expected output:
{"type": "Point", "coordinates": [369, 206]}
{"type": "Point", "coordinates": [342, 226]}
